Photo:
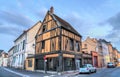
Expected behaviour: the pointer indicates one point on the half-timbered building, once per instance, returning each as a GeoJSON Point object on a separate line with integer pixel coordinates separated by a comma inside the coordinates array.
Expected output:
{"type": "Point", "coordinates": [58, 45]}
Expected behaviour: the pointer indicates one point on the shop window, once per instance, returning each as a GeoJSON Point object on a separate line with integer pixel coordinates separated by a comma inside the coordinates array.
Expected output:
{"type": "Point", "coordinates": [71, 44]}
{"type": "Point", "coordinates": [29, 63]}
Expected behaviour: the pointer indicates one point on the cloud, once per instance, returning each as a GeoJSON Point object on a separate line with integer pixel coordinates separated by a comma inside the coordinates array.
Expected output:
{"type": "Point", "coordinates": [78, 22]}
{"type": "Point", "coordinates": [115, 21]}
{"type": "Point", "coordinates": [41, 13]}
{"type": "Point", "coordinates": [15, 18]}
{"type": "Point", "coordinates": [87, 27]}
{"type": "Point", "coordinates": [113, 34]}
{"type": "Point", "coordinates": [13, 31]}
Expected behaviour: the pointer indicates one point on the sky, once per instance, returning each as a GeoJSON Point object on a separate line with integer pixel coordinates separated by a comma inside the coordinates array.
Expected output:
{"type": "Point", "coordinates": [93, 18]}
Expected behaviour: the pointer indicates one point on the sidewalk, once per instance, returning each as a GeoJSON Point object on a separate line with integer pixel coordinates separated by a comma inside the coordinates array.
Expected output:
{"type": "Point", "coordinates": [70, 73]}
{"type": "Point", "coordinates": [25, 73]}
{"type": "Point", "coordinates": [41, 74]}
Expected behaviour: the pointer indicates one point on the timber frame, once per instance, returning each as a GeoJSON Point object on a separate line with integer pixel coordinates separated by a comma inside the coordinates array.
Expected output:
{"type": "Point", "coordinates": [54, 40]}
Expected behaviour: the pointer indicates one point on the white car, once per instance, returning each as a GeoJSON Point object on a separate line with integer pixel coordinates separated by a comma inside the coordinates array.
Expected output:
{"type": "Point", "coordinates": [87, 68]}
{"type": "Point", "coordinates": [110, 65]}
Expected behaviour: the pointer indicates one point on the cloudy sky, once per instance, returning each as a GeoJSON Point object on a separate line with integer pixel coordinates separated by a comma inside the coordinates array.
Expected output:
{"type": "Point", "coordinates": [94, 18]}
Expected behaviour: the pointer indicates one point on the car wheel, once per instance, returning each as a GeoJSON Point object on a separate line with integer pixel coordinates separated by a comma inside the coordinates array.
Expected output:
{"type": "Point", "coordinates": [95, 71]}
{"type": "Point", "coordinates": [89, 72]}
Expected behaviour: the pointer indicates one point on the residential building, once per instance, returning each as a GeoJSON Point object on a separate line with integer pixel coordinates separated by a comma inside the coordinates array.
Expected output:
{"type": "Point", "coordinates": [118, 56]}
{"type": "Point", "coordinates": [110, 47]}
{"type": "Point", "coordinates": [24, 46]}
{"type": "Point", "coordinates": [3, 59]}
{"type": "Point", "coordinates": [58, 46]}
{"type": "Point", "coordinates": [10, 57]}
{"type": "Point", "coordinates": [90, 46]}
{"type": "Point", "coordinates": [115, 55]}
{"type": "Point", "coordinates": [104, 51]}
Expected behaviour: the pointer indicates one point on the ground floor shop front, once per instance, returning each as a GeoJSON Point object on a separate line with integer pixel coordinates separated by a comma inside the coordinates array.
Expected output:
{"type": "Point", "coordinates": [56, 62]}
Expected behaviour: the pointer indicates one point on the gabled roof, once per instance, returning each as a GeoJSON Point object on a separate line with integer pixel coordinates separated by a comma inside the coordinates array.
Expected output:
{"type": "Point", "coordinates": [11, 48]}
{"type": "Point", "coordinates": [65, 24]}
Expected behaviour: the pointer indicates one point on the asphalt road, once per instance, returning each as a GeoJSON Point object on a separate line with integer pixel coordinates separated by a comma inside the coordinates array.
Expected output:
{"type": "Point", "coordinates": [4, 73]}
{"type": "Point", "coordinates": [106, 72]}
{"type": "Point", "coordinates": [11, 72]}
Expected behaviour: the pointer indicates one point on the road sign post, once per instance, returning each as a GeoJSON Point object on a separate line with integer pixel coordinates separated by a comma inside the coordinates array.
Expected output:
{"type": "Point", "coordinates": [45, 64]}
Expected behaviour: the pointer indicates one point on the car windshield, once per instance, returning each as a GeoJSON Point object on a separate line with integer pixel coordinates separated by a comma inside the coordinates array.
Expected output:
{"type": "Point", "coordinates": [84, 66]}
{"type": "Point", "coordinates": [110, 63]}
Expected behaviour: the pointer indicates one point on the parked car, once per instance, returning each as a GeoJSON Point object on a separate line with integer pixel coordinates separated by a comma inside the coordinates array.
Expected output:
{"type": "Point", "coordinates": [87, 68]}
{"type": "Point", "coordinates": [110, 65]}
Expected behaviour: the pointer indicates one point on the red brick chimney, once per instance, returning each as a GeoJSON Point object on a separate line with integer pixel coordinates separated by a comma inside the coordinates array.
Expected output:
{"type": "Point", "coordinates": [52, 10]}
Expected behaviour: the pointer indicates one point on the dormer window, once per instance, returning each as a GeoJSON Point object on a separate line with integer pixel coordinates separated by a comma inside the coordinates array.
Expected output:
{"type": "Point", "coordinates": [44, 28]}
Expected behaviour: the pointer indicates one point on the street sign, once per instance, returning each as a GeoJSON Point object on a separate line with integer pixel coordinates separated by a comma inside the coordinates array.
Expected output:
{"type": "Point", "coordinates": [44, 57]}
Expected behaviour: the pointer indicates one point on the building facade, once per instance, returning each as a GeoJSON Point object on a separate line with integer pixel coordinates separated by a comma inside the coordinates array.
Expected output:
{"type": "Point", "coordinates": [24, 46]}
{"type": "Point", "coordinates": [115, 55]}
{"type": "Point", "coordinates": [3, 59]}
{"type": "Point", "coordinates": [90, 46]}
{"type": "Point", "coordinates": [10, 57]}
{"type": "Point", "coordinates": [111, 54]}
{"type": "Point", "coordinates": [104, 50]}
{"type": "Point", "coordinates": [19, 51]}
{"type": "Point", "coordinates": [58, 46]}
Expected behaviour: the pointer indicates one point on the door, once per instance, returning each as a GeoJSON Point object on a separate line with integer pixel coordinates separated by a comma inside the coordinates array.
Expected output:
{"type": "Point", "coordinates": [77, 64]}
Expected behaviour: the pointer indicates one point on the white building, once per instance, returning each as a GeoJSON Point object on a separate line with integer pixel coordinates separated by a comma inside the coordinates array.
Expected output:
{"type": "Point", "coordinates": [10, 56]}
{"type": "Point", "coordinates": [105, 51]}
{"type": "Point", "coordinates": [24, 46]}
{"type": "Point", "coordinates": [3, 59]}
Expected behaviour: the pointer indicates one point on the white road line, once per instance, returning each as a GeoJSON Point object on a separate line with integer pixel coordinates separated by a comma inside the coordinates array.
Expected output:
{"type": "Point", "coordinates": [16, 72]}
{"type": "Point", "coordinates": [50, 76]}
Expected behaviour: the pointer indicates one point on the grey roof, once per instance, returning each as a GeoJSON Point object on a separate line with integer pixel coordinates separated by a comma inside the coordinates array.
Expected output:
{"type": "Point", "coordinates": [65, 24]}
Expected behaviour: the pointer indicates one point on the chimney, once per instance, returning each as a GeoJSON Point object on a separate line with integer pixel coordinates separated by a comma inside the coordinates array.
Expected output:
{"type": "Point", "coordinates": [52, 10]}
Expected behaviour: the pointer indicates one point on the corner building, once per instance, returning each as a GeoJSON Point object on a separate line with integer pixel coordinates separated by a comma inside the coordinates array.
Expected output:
{"type": "Point", "coordinates": [59, 42]}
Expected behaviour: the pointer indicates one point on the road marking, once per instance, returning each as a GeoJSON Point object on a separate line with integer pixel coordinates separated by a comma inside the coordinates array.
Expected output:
{"type": "Point", "coordinates": [16, 72]}
{"type": "Point", "coordinates": [50, 76]}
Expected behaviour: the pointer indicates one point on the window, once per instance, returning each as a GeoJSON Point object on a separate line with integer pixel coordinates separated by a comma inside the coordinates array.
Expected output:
{"type": "Point", "coordinates": [66, 44]}
{"type": "Point", "coordinates": [29, 63]}
{"type": "Point", "coordinates": [23, 47]}
{"type": "Point", "coordinates": [85, 45]}
{"type": "Point", "coordinates": [77, 46]}
{"type": "Point", "coordinates": [44, 28]}
{"type": "Point", "coordinates": [43, 44]}
{"type": "Point", "coordinates": [71, 44]}
{"type": "Point", "coordinates": [18, 47]}
{"type": "Point", "coordinates": [53, 44]}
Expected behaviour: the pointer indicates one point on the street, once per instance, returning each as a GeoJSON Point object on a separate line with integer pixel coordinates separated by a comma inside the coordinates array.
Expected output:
{"type": "Point", "coordinates": [106, 72]}
{"type": "Point", "coordinates": [12, 72]}
{"type": "Point", "coordinates": [4, 73]}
